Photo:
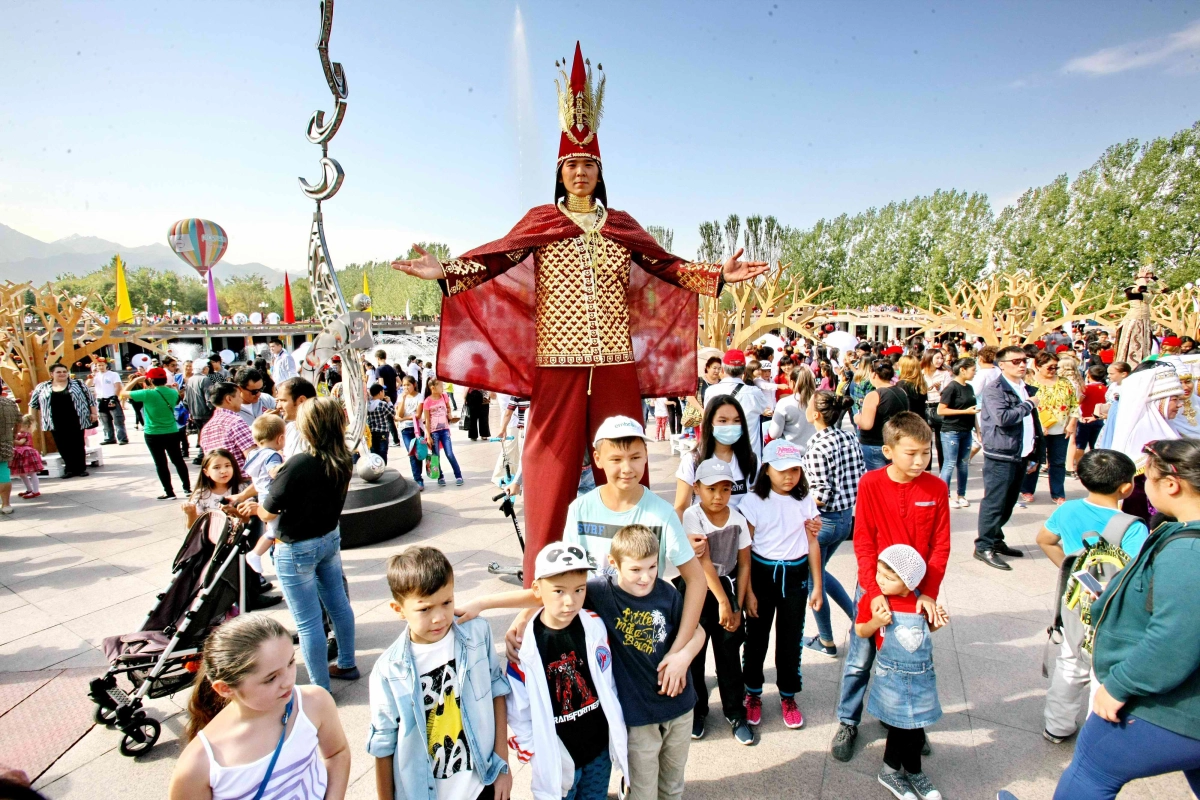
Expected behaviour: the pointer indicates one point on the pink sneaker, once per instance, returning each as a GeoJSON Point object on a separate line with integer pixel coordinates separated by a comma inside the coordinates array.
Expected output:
{"type": "Point", "coordinates": [753, 704]}
{"type": "Point", "coordinates": [791, 713]}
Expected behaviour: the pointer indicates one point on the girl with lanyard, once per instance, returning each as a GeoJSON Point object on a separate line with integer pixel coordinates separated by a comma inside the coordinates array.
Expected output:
{"type": "Point", "coordinates": [249, 723]}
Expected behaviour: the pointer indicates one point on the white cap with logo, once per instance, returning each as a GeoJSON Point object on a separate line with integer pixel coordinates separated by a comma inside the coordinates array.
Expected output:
{"type": "Point", "coordinates": [620, 428]}
{"type": "Point", "coordinates": [782, 454]}
{"type": "Point", "coordinates": [559, 557]}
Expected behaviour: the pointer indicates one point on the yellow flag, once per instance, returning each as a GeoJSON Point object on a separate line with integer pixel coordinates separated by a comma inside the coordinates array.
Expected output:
{"type": "Point", "coordinates": [124, 308]}
{"type": "Point", "coordinates": [366, 287]}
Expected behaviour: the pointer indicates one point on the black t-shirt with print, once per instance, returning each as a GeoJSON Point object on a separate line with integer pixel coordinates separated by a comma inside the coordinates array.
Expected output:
{"type": "Point", "coordinates": [641, 630]}
{"type": "Point", "coordinates": [958, 396]}
{"type": "Point", "coordinates": [578, 718]}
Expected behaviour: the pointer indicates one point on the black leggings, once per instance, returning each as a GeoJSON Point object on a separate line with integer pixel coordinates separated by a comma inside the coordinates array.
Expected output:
{"type": "Point", "coordinates": [782, 593]}
{"type": "Point", "coordinates": [163, 446]}
{"type": "Point", "coordinates": [903, 748]}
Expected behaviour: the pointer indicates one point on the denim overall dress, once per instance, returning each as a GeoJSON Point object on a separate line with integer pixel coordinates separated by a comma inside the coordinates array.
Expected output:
{"type": "Point", "coordinates": [904, 686]}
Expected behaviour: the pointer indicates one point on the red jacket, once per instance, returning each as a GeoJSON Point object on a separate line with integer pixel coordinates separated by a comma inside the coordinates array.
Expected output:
{"type": "Point", "coordinates": [916, 513]}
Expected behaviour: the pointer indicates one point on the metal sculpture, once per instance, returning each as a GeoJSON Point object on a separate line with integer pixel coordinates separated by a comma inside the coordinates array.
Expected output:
{"type": "Point", "coordinates": [344, 333]}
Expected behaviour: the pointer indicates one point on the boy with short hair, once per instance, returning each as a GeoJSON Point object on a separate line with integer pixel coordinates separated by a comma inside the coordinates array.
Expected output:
{"type": "Point", "coordinates": [270, 434]}
{"type": "Point", "coordinates": [901, 504]}
{"type": "Point", "coordinates": [438, 713]}
{"type": "Point", "coordinates": [566, 718]}
{"type": "Point", "coordinates": [642, 617]}
{"type": "Point", "coordinates": [380, 415]}
{"type": "Point", "coordinates": [1076, 527]}
{"type": "Point", "coordinates": [726, 564]}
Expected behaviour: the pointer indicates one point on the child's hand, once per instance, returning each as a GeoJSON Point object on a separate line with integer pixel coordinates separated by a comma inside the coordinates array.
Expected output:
{"type": "Point", "coordinates": [940, 619]}
{"type": "Point", "coordinates": [273, 471]}
{"type": "Point", "coordinates": [926, 606]}
{"type": "Point", "coordinates": [812, 526]}
{"type": "Point", "coordinates": [188, 507]}
{"type": "Point", "coordinates": [672, 673]}
{"type": "Point", "coordinates": [502, 788]}
{"type": "Point", "coordinates": [699, 544]}
{"type": "Point", "coordinates": [727, 619]}
{"type": "Point", "coordinates": [880, 603]}
{"type": "Point", "coordinates": [751, 604]}
{"type": "Point", "coordinates": [468, 611]}
{"type": "Point", "coordinates": [882, 616]}
{"type": "Point", "coordinates": [815, 600]}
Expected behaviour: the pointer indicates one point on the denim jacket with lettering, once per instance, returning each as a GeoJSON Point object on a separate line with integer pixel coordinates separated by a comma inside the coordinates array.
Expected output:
{"type": "Point", "coordinates": [398, 711]}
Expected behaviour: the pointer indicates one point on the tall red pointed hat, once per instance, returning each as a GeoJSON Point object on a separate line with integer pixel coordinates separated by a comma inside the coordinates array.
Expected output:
{"type": "Point", "coordinates": [580, 106]}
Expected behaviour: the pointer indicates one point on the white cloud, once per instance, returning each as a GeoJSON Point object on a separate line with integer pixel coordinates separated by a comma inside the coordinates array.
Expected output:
{"type": "Point", "coordinates": [1173, 50]}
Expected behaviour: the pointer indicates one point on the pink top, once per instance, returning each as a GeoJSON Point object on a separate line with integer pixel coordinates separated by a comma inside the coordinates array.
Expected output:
{"type": "Point", "coordinates": [439, 412]}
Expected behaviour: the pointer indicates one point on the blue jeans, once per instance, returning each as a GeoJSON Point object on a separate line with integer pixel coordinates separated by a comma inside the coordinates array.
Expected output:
{"type": "Point", "coordinates": [836, 527]}
{"type": "Point", "coordinates": [956, 452]}
{"type": "Point", "coordinates": [873, 456]}
{"type": "Point", "coordinates": [860, 655]}
{"type": "Point", "coordinates": [591, 780]}
{"type": "Point", "coordinates": [407, 435]}
{"type": "Point", "coordinates": [1056, 460]}
{"type": "Point", "coordinates": [441, 440]}
{"type": "Point", "coordinates": [1109, 755]}
{"type": "Point", "coordinates": [310, 575]}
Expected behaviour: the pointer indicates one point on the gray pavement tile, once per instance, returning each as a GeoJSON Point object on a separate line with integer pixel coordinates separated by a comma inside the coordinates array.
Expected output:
{"type": "Point", "coordinates": [126, 616]}
{"type": "Point", "coordinates": [10, 600]}
{"type": "Point", "coordinates": [48, 559]}
{"type": "Point", "coordinates": [40, 650]}
{"type": "Point", "coordinates": [103, 594]}
{"type": "Point", "coordinates": [23, 621]}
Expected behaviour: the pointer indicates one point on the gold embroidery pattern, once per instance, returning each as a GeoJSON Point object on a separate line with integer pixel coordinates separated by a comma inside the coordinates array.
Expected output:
{"type": "Point", "coordinates": [699, 277]}
{"type": "Point", "coordinates": [463, 274]}
{"type": "Point", "coordinates": [582, 310]}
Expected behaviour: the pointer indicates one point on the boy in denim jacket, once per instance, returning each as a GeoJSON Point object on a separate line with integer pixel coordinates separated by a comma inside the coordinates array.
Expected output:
{"type": "Point", "coordinates": [438, 713]}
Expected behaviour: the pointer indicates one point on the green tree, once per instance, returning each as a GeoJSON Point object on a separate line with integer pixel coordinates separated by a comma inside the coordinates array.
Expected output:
{"type": "Point", "coordinates": [664, 236]}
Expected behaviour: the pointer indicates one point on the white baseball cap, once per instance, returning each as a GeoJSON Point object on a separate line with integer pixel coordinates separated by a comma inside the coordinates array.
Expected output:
{"type": "Point", "coordinates": [620, 428]}
{"type": "Point", "coordinates": [559, 557]}
{"type": "Point", "coordinates": [782, 454]}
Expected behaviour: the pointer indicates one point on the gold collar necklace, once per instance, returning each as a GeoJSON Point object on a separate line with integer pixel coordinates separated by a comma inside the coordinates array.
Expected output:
{"type": "Point", "coordinates": [580, 205]}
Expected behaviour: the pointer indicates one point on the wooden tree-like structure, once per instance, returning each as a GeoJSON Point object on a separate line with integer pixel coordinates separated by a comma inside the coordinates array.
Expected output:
{"type": "Point", "coordinates": [778, 299]}
{"type": "Point", "coordinates": [1003, 306]}
{"type": "Point", "coordinates": [1178, 310]}
{"type": "Point", "coordinates": [60, 328]}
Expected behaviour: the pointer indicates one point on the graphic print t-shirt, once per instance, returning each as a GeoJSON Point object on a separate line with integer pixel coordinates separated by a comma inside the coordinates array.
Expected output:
{"type": "Point", "coordinates": [641, 630]}
{"type": "Point", "coordinates": [723, 542]}
{"type": "Point", "coordinates": [578, 718]}
{"type": "Point", "coordinates": [592, 525]}
{"type": "Point", "coordinates": [453, 762]}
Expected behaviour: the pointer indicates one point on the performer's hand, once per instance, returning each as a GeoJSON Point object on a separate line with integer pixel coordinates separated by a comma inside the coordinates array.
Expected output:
{"type": "Point", "coordinates": [427, 267]}
{"type": "Point", "coordinates": [735, 271]}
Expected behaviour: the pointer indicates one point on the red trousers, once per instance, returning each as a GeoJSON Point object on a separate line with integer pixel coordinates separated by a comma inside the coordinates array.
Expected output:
{"type": "Point", "coordinates": [563, 418]}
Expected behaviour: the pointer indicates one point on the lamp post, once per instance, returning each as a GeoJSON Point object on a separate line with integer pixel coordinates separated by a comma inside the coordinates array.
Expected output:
{"type": "Point", "coordinates": [170, 304]}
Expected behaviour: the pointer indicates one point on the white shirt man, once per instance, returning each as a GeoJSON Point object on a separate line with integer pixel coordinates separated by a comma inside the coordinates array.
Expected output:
{"type": "Point", "coordinates": [104, 383]}
{"type": "Point", "coordinates": [283, 366]}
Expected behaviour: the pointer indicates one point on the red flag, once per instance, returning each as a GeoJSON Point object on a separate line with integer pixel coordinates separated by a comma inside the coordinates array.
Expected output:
{"type": "Point", "coordinates": [289, 314]}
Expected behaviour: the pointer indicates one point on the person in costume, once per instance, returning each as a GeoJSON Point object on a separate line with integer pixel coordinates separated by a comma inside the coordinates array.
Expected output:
{"type": "Point", "coordinates": [1187, 422]}
{"type": "Point", "coordinates": [1135, 340]}
{"type": "Point", "coordinates": [1148, 402]}
{"type": "Point", "coordinates": [577, 308]}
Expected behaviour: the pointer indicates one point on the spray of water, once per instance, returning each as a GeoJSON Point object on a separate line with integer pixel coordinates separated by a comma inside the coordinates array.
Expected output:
{"type": "Point", "coordinates": [531, 171]}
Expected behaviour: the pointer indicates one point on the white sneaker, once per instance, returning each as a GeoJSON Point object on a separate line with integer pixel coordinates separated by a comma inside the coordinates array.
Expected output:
{"type": "Point", "coordinates": [6, 510]}
{"type": "Point", "coordinates": [963, 503]}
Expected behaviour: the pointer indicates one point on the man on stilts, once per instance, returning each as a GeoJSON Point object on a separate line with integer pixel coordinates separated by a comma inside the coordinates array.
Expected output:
{"type": "Point", "coordinates": [577, 308]}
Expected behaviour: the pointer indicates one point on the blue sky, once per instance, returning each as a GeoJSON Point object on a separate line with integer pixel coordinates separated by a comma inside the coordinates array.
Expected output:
{"type": "Point", "coordinates": [124, 116]}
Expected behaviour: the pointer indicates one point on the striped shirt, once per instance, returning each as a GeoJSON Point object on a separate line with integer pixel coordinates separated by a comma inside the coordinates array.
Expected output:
{"type": "Point", "coordinates": [81, 396]}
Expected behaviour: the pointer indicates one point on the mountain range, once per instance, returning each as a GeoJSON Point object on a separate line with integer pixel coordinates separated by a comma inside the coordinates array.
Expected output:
{"type": "Point", "coordinates": [24, 258]}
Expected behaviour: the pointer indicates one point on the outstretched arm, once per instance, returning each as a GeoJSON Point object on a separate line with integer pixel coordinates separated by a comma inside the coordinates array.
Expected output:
{"type": "Point", "coordinates": [459, 274]}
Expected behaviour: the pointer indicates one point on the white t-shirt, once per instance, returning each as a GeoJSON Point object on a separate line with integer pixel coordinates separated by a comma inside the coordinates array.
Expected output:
{"type": "Point", "coordinates": [441, 687]}
{"type": "Point", "coordinates": [660, 407]}
{"type": "Point", "coordinates": [106, 384]}
{"type": "Point", "coordinates": [723, 542]}
{"type": "Point", "coordinates": [779, 525]}
{"type": "Point", "coordinates": [1026, 421]}
{"type": "Point", "coordinates": [687, 473]}
{"type": "Point", "coordinates": [982, 378]}
{"type": "Point", "coordinates": [293, 441]}
{"type": "Point", "coordinates": [412, 405]}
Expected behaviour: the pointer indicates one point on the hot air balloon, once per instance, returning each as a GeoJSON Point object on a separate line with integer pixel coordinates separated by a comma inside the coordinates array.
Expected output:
{"type": "Point", "coordinates": [200, 243]}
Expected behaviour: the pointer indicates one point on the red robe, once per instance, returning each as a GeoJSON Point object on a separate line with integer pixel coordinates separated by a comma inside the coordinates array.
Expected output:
{"type": "Point", "coordinates": [487, 337]}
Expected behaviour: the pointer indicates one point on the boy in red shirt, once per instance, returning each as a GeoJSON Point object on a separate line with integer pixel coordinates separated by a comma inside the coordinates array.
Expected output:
{"type": "Point", "coordinates": [1088, 431]}
{"type": "Point", "coordinates": [897, 504]}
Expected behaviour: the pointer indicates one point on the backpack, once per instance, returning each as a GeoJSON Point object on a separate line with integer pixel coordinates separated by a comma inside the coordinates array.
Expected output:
{"type": "Point", "coordinates": [1103, 560]}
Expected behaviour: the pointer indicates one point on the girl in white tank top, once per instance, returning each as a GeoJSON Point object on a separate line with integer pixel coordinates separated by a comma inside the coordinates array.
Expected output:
{"type": "Point", "coordinates": [242, 692]}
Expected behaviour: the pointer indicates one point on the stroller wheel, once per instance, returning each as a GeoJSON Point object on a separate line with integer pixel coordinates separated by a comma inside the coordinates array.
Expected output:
{"type": "Point", "coordinates": [104, 716]}
{"type": "Point", "coordinates": [147, 730]}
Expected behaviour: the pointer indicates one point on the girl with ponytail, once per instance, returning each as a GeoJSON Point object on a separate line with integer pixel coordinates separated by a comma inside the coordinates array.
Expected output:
{"type": "Point", "coordinates": [249, 721]}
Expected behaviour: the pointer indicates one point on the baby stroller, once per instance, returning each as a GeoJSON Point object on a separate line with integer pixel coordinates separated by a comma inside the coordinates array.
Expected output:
{"type": "Point", "coordinates": [163, 656]}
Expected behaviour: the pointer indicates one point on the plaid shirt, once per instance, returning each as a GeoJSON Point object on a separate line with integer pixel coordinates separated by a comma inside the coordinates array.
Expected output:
{"type": "Point", "coordinates": [833, 464]}
{"type": "Point", "coordinates": [858, 392]}
{"type": "Point", "coordinates": [379, 416]}
{"type": "Point", "coordinates": [227, 430]}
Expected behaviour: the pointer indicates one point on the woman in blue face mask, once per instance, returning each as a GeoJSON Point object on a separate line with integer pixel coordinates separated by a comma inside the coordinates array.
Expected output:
{"type": "Point", "coordinates": [723, 435]}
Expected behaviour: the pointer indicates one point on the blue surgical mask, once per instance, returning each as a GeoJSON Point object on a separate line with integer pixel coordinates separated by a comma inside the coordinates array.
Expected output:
{"type": "Point", "coordinates": [727, 434]}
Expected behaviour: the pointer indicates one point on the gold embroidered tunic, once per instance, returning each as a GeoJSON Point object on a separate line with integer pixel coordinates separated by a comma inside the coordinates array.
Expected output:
{"type": "Point", "coordinates": [582, 313]}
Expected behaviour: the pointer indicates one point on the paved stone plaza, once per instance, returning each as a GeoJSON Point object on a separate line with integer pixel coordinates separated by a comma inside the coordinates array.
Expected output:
{"type": "Point", "coordinates": [83, 562]}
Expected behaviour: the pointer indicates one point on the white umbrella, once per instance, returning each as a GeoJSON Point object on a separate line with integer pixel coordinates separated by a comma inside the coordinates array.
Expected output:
{"type": "Point", "coordinates": [842, 340]}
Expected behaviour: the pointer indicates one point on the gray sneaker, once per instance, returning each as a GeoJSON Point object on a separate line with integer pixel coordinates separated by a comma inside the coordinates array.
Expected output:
{"type": "Point", "coordinates": [843, 742]}
{"type": "Point", "coordinates": [924, 787]}
{"type": "Point", "coordinates": [897, 784]}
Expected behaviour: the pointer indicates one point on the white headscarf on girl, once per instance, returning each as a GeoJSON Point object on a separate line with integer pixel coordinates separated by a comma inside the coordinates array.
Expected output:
{"type": "Point", "coordinates": [1140, 418]}
{"type": "Point", "coordinates": [1187, 422]}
